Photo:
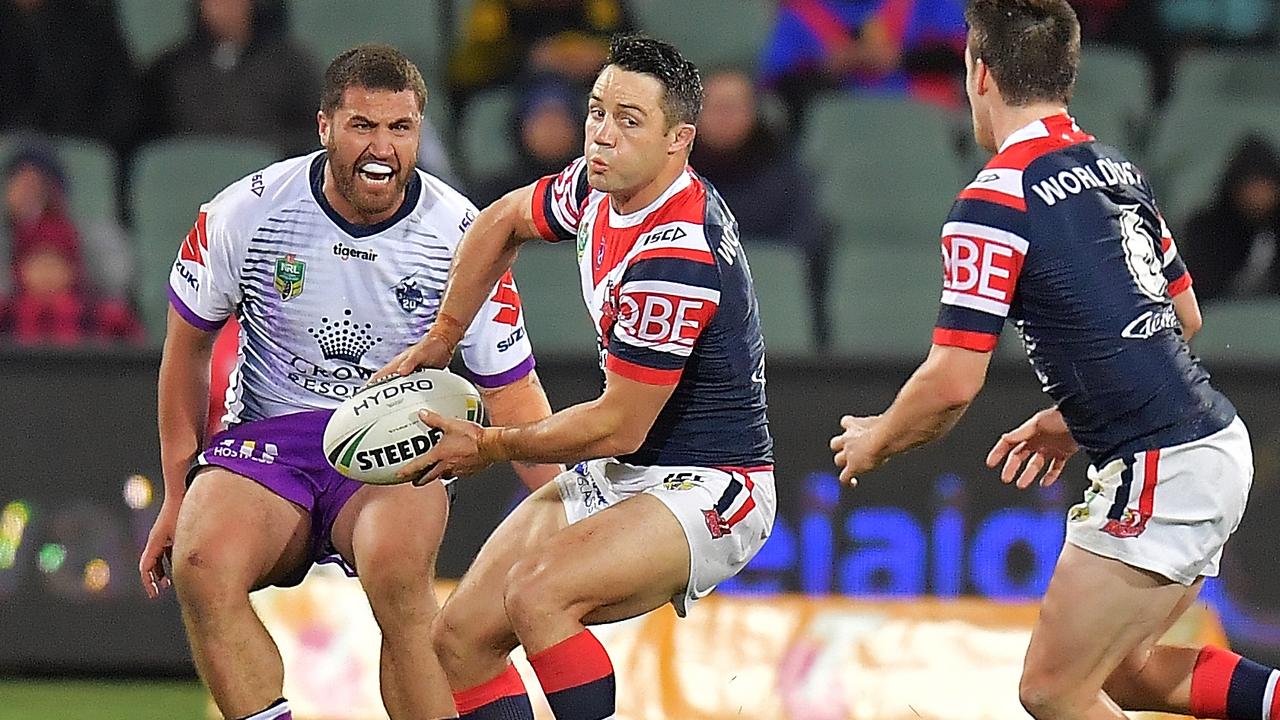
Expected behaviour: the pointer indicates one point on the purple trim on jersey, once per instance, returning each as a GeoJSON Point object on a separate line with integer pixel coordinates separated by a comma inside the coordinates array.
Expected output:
{"type": "Point", "coordinates": [190, 316]}
{"type": "Point", "coordinates": [504, 378]}
{"type": "Point", "coordinates": [285, 455]}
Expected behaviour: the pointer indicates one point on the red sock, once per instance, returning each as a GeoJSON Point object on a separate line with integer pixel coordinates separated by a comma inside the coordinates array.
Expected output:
{"type": "Point", "coordinates": [1229, 687]}
{"type": "Point", "coordinates": [502, 697]}
{"type": "Point", "coordinates": [577, 677]}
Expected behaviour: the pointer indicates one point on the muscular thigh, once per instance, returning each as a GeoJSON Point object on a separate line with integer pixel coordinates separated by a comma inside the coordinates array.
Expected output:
{"type": "Point", "coordinates": [1096, 612]}
{"type": "Point", "coordinates": [623, 561]}
{"type": "Point", "coordinates": [232, 526]}
{"type": "Point", "coordinates": [477, 601]}
{"type": "Point", "coordinates": [392, 524]}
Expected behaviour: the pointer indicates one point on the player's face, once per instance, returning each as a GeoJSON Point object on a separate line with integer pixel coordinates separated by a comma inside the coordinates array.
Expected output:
{"type": "Point", "coordinates": [975, 76]}
{"type": "Point", "coordinates": [628, 141]}
{"type": "Point", "coordinates": [372, 146]}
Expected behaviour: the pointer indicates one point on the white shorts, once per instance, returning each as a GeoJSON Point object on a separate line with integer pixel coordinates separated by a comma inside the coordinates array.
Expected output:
{"type": "Point", "coordinates": [727, 513]}
{"type": "Point", "coordinates": [1170, 510]}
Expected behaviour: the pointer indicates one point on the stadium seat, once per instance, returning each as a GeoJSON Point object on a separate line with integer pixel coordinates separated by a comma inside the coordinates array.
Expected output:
{"type": "Point", "coordinates": [487, 145]}
{"type": "Point", "coordinates": [171, 179]}
{"type": "Point", "coordinates": [706, 32]}
{"type": "Point", "coordinates": [153, 26]}
{"type": "Point", "coordinates": [885, 300]}
{"type": "Point", "coordinates": [90, 167]}
{"type": "Point", "coordinates": [782, 288]}
{"type": "Point", "coordinates": [1240, 331]}
{"type": "Point", "coordinates": [1210, 76]}
{"type": "Point", "coordinates": [887, 169]}
{"type": "Point", "coordinates": [1191, 145]}
{"type": "Point", "coordinates": [1113, 96]}
{"type": "Point", "coordinates": [328, 27]}
{"type": "Point", "coordinates": [551, 294]}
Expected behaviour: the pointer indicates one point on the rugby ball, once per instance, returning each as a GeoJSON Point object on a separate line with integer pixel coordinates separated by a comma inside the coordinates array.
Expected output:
{"type": "Point", "coordinates": [375, 432]}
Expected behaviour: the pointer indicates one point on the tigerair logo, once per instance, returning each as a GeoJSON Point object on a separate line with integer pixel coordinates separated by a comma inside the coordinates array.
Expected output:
{"type": "Point", "coordinates": [350, 253]}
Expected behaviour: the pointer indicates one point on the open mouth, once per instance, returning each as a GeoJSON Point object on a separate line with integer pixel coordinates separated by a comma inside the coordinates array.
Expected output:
{"type": "Point", "coordinates": [376, 173]}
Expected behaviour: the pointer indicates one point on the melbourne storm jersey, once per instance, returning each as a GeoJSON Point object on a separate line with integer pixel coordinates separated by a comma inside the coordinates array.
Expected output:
{"type": "Point", "coordinates": [1061, 235]}
{"type": "Point", "coordinates": [671, 298]}
{"type": "Point", "coordinates": [323, 303]}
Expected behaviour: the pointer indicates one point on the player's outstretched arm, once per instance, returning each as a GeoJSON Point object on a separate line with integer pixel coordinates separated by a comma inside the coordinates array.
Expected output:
{"type": "Point", "coordinates": [1044, 442]}
{"type": "Point", "coordinates": [926, 408]}
{"type": "Point", "coordinates": [519, 403]}
{"type": "Point", "coordinates": [486, 252]}
{"type": "Point", "coordinates": [183, 409]}
{"type": "Point", "coordinates": [616, 423]}
{"type": "Point", "coordinates": [1187, 308]}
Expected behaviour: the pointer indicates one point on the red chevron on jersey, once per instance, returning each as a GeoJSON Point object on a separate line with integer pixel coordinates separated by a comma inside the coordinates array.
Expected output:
{"type": "Point", "coordinates": [505, 294]}
{"type": "Point", "coordinates": [196, 243]}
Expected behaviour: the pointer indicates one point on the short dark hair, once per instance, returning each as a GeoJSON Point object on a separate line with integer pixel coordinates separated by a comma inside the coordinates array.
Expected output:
{"type": "Point", "coordinates": [376, 67]}
{"type": "Point", "coordinates": [1031, 46]}
{"type": "Point", "coordinates": [681, 83]}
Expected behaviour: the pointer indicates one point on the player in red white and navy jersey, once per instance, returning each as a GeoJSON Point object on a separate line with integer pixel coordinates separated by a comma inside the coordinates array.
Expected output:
{"type": "Point", "coordinates": [1060, 235]}
{"type": "Point", "coordinates": [673, 490]}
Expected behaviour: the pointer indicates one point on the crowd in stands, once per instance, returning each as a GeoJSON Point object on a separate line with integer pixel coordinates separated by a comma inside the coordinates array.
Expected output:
{"type": "Point", "coordinates": [67, 70]}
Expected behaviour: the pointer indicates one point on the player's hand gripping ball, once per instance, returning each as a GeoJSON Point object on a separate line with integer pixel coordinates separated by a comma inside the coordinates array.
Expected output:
{"type": "Point", "coordinates": [376, 432]}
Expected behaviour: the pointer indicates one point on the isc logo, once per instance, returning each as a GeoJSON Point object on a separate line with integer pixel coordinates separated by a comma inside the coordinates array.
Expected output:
{"type": "Point", "coordinates": [655, 318]}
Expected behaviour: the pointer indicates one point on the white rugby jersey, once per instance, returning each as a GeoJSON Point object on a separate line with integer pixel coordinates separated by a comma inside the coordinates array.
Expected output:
{"type": "Point", "coordinates": [323, 303]}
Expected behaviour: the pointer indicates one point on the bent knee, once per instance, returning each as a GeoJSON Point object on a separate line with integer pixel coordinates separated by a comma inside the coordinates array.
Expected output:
{"type": "Point", "coordinates": [204, 574]}
{"type": "Point", "coordinates": [531, 591]}
{"type": "Point", "coordinates": [1045, 697]}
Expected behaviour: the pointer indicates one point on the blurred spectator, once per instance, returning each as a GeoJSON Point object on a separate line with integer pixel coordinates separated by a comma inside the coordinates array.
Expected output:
{"type": "Point", "coordinates": [771, 195]}
{"type": "Point", "coordinates": [548, 123]}
{"type": "Point", "coordinates": [507, 37]}
{"type": "Point", "coordinates": [65, 70]}
{"type": "Point", "coordinates": [237, 75]}
{"type": "Point", "coordinates": [902, 47]}
{"type": "Point", "coordinates": [52, 300]}
{"type": "Point", "coordinates": [1230, 246]}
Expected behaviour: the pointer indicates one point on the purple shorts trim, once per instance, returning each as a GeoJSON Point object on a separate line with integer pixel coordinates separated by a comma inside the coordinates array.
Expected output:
{"type": "Point", "coordinates": [285, 455]}
{"type": "Point", "coordinates": [504, 378]}
{"type": "Point", "coordinates": [190, 316]}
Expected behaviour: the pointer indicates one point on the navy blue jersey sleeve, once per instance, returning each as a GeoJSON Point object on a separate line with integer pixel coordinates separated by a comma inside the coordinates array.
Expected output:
{"type": "Point", "coordinates": [1175, 270]}
{"type": "Point", "coordinates": [983, 251]}
{"type": "Point", "coordinates": [558, 201]}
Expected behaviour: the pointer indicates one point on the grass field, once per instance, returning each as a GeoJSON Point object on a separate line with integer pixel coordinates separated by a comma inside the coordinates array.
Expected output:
{"type": "Point", "coordinates": [89, 700]}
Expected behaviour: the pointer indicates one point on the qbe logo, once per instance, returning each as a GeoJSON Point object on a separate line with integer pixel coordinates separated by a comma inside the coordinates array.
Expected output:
{"type": "Point", "coordinates": [980, 266]}
{"type": "Point", "coordinates": [659, 318]}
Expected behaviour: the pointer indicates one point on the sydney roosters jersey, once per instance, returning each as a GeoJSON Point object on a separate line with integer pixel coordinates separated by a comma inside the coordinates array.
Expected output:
{"type": "Point", "coordinates": [671, 297]}
{"type": "Point", "coordinates": [1061, 235]}
{"type": "Point", "coordinates": [323, 303]}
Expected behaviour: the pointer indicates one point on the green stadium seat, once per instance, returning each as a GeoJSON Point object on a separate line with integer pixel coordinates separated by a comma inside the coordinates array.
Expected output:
{"type": "Point", "coordinates": [1191, 145]}
{"type": "Point", "coordinates": [551, 294]}
{"type": "Point", "coordinates": [153, 26]}
{"type": "Point", "coordinates": [783, 291]}
{"type": "Point", "coordinates": [1245, 331]}
{"type": "Point", "coordinates": [887, 169]}
{"type": "Point", "coordinates": [1113, 96]}
{"type": "Point", "coordinates": [328, 27]}
{"type": "Point", "coordinates": [706, 32]}
{"type": "Point", "coordinates": [171, 179]}
{"type": "Point", "coordinates": [884, 300]}
{"type": "Point", "coordinates": [91, 175]}
{"type": "Point", "coordinates": [1211, 76]}
{"type": "Point", "coordinates": [485, 133]}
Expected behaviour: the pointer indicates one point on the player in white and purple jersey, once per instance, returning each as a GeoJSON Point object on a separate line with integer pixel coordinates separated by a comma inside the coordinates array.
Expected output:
{"type": "Point", "coordinates": [673, 488]}
{"type": "Point", "coordinates": [1060, 234]}
{"type": "Point", "coordinates": [333, 263]}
